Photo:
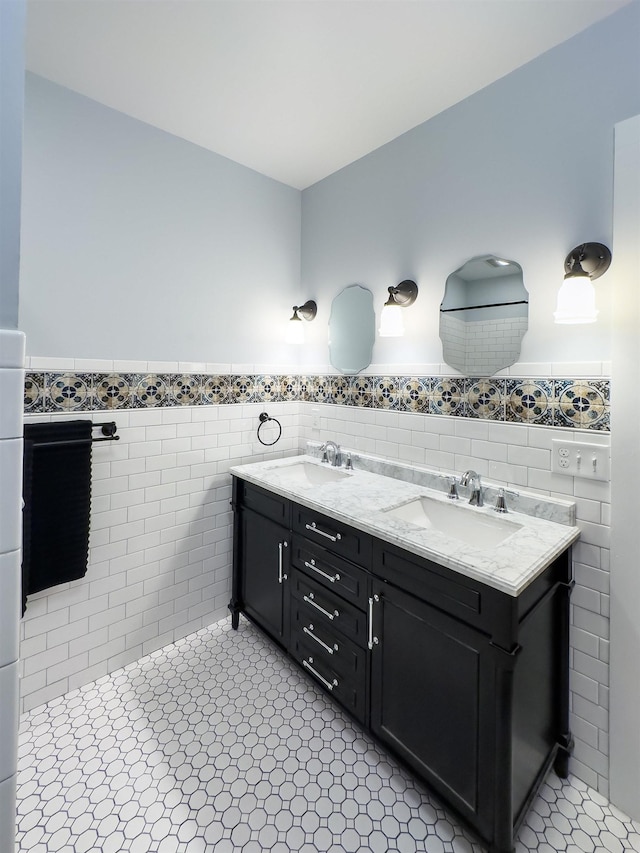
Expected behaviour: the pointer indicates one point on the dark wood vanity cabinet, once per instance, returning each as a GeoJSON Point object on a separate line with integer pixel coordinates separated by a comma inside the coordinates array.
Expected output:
{"type": "Point", "coordinates": [261, 559]}
{"type": "Point", "coordinates": [465, 684]}
{"type": "Point", "coordinates": [469, 685]}
{"type": "Point", "coordinates": [431, 692]}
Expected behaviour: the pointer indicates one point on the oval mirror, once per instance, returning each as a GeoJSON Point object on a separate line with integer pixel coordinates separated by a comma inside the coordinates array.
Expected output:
{"type": "Point", "coordinates": [483, 316]}
{"type": "Point", "coordinates": [352, 329]}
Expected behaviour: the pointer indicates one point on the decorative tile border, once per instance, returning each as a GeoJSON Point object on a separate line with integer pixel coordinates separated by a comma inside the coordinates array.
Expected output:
{"type": "Point", "coordinates": [574, 403]}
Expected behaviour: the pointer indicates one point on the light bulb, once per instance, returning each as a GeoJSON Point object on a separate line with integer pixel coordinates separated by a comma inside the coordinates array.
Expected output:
{"type": "Point", "coordinates": [294, 333]}
{"type": "Point", "coordinates": [391, 322]}
{"type": "Point", "coordinates": [576, 301]}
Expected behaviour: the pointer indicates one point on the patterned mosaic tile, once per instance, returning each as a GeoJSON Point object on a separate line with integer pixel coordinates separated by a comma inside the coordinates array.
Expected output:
{"type": "Point", "coordinates": [305, 388]}
{"type": "Point", "coordinates": [219, 743]}
{"type": "Point", "coordinates": [361, 391]}
{"type": "Point", "coordinates": [243, 389]}
{"type": "Point", "coordinates": [341, 390]}
{"type": "Point", "coordinates": [268, 389]}
{"type": "Point", "coordinates": [186, 389]}
{"type": "Point", "coordinates": [386, 392]}
{"type": "Point", "coordinates": [151, 390]}
{"type": "Point", "coordinates": [289, 387]}
{"type": "Point", "coordinates": [34, 393]}
{"type": "Point", "coordinates": [446, 397]}
{"type": "Point", "coordinates": [569, 816]}
{"type": "Point", "coordinates": [322, 389]}
{"type": "Point", "coordinates": [484, 398]}
{"type": "Point", "coordinates": [582, 404]}
{"type": "Point", "coordinates": [414, 393]}
{"type": "Point", "coordinates": [216, 390]}
{"type": "Point", "coordinates": [579, 404]}
{"type": "Point", "coordinates": [529, 401]}
{"type": "Point", "coordinates": [114, 390]}
{"type": "Point", "coordinates": [69, 392]}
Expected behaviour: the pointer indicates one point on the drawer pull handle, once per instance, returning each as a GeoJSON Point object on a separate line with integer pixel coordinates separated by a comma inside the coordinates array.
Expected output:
{"type": "Point", "coordinates": [333, 537]}
{"type": "Point", "coordinates": [309, 632]}
{"type": "Point", "coordinates": [372, 641]}
{"type": "Point", "coordinates": [331, 578]}
{"type": "Point", "coordinates": [328, 684]}
{"type": "Point", "coordinates": [309, 600]}
{"type": "Point", "coordinates": [281, 575]}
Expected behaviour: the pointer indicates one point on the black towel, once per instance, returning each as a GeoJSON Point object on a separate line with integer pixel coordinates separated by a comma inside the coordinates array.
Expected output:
{"type": "Point", "coordinates": [57, 504]}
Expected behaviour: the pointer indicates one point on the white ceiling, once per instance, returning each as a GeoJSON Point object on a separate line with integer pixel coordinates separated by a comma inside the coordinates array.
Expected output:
{"type": "Point", "coordinates": [295, 89]}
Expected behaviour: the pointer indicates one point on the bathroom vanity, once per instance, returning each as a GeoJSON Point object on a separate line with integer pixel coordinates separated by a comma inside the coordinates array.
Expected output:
{"type": "Point", "coordinates": [453, 654]}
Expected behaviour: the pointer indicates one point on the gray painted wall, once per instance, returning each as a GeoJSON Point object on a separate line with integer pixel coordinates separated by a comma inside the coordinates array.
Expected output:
{"type": "Point", "coordinates": [522, 169]}
{"type": "Point", "coordinates": [12, 17]}
{"type": "Point", "coordinates": [140, 245]}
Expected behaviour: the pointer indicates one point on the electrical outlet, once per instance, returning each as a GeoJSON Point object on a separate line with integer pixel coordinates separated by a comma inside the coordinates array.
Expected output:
{"type": "Point", "coordinates": [579, 459]}
{"type": "Point", "coordinates": [315, 418]}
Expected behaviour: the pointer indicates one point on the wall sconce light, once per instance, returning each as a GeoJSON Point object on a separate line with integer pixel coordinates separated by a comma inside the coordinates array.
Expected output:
{"type": "Point", "coordinates": [391, 324]}
{"type": "Point", "coordinates": [576, 297]}
{"type": "Point", "coordinates": [295, 329]}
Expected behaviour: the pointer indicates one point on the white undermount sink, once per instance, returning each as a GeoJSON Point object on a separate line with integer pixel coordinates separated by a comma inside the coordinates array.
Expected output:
{"type": "Point", "coordinates": [308, 474]}
{"type": "Point", "coordinates": [456, 521]}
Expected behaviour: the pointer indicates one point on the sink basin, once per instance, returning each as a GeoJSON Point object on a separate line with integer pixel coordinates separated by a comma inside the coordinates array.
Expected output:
{"type": "Point", "coordinates": [458, 522]}
{"type": "Point", "coordinates": [308, 474]}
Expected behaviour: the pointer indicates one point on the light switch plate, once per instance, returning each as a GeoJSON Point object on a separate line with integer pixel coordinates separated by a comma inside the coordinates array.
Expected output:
{"type": "Point", "coordinates": [580, 459]}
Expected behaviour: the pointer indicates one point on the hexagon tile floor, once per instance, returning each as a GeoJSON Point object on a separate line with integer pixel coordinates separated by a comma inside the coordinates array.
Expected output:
{"type": "Point", "coordinates": [218, 744]}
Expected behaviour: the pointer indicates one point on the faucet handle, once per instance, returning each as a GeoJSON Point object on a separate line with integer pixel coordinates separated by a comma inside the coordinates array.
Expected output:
{"type": "Point", "coordinates": [501, 503]}
{"type": "Point", "coordinates": [323, 448]}
{"type": "Point", "coordinates": [348, 464]}
{"type": "Point", "coordinates": [452, 494]}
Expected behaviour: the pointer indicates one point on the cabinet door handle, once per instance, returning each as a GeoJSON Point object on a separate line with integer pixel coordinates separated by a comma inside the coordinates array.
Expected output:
{"type": "Point", "coordinates": [372, 641]}
{"type": "Point", "coordinates": [328, 684]}
{"type": "Point", "coordinates": [312, 565]}
{"type": "Point", "coordinates": [309, 600]}
{"type": "Point", "coordinates": [281, 575]}
{"type": "Point", "coordinates": [327, 648]}
{"type": "Point", "coordinates": [333, 537]}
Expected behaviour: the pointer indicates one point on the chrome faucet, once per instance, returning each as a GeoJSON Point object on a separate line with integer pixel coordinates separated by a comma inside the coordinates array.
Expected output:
{"type": "Point", "coordinates": [472, 479]}
{"type": "Point", "coordinates": [336, 461]}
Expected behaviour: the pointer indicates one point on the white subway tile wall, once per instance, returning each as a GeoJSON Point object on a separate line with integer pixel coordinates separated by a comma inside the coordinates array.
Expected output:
{"type": "Point", "coordinates": [160, 559]}
{"type": "Point", "coordinates": [12, 346]}
{"type": "Point", "coordinates": [160, 545]}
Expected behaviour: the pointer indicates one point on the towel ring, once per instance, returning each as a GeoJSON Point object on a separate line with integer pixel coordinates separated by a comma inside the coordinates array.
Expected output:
{"type": "Point", "coordinates": [264, 419]}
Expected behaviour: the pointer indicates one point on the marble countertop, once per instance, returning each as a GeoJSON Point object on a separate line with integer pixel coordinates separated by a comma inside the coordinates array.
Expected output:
{"type": "Point", "coordinates": [362, 499]}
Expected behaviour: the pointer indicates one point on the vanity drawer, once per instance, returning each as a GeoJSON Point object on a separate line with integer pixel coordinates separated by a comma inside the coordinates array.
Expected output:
{"type": "Point", "coordinates": [330, 570]}
{"type": "Point", "coordinates": [311, 602]}
{"type": "Point", "coordinates": [345, 657]}
{"type": "Point", "coordinates": [333, 535]}
{"type": "Point", "coordinates": [441, 587]}
{"type": "Point", "coordinates": [266, 503]}
{"type": "Point", "coordinates": [348, 689]}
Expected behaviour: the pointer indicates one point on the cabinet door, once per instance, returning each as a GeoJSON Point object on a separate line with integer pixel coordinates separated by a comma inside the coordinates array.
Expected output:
{"type": "Point", "coordinates": [264, 567]}
{"type": "Point", "coordinates": [431, 686]}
